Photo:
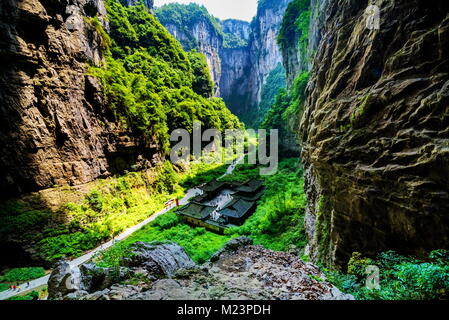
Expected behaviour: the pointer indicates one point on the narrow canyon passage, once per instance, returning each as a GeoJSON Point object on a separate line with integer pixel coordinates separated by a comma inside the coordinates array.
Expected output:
{"type": "Point", "coordinates": [345, 101]}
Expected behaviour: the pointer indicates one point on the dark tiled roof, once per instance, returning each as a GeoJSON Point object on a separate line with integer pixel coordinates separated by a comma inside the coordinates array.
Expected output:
{"type": "Point", "coordinates": [196, 210]}
{"type": "Point", "coordinates": [237, 208]}
{"type": "Point", "coordinates": [212, 186]}
{"type": "Point", "coordinates": [250, 186]}
{"type": "Point", "coordinates": [253, 197]}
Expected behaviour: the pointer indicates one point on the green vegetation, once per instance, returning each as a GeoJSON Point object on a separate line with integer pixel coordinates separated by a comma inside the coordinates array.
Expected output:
{"type": "Point", "coordinates": [151, 85]}
{"type": "Point", "coordinates": [4, 287]}
{"type": "Point", "coordinates": [295, 26]}
{"type": "Point", "coordinates": [22, 274]}
{"type": "Point", "coordinates": [276, 81]}
{"type": "Point", "coordinates": [231, 40]}
{"type": "Point", "coordinates": [276, 224]}
{"type": "Point", "coordinates": [287, 106]}
{"type": "Point", "coordinates": [202, 81]}
{"type": "Point", "coordinates": [33, 295]}
{"type": "Point", "coordinates": [18, 275]}
{"type": "Point", "coordinates": [401, 277]}
{"type": "Point", "coordinates": [185, 16]}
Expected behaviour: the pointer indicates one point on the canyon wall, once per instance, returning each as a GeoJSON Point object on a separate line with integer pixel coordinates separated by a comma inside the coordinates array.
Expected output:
{"type": "Point", "coordinates": [204, 37]}
{"type": "Point", "coordinates": [240, 55]}
{"type": "Point", "coordinates": [264, 50]}
{"type": "Point", "coordinates": [54, 126]}
{"type": "Point", "coordinates": [375, 131]}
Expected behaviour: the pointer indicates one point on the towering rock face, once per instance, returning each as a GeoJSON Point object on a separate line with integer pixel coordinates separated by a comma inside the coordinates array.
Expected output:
{"type": "Point", "coordinates": [233, 83]}
{"type": "Point", "coordinates": [241, 55]}
{"type": "Point", "coordinates": [240, 29]}
{"type": "Point", "coordinates": [264, 50]}
{"type": "Point", "coordinates": [375, 131]}
{"type": "Point", "coordinates": [207, 41]}
{"type": "Point", "coordinates": [194, 28]}
{"type": "Point", "coordinates": [54, 128]}
{"type": "Point", "coordinates": [317, 20]}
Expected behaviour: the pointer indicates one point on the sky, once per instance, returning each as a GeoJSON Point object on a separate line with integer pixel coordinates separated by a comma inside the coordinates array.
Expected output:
{"type": "Point", "coordinates": [223, 9]}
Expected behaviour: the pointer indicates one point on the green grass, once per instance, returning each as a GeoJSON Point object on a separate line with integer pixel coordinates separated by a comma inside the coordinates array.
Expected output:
{"type": "Point", "coordinates": [198, 243]}
{"type": "Point", "coordinates": [22, 274]}
{"type": "Point", "coordinates": [4, 287]}
{"type": "Point", "coordinates": [33, 295]}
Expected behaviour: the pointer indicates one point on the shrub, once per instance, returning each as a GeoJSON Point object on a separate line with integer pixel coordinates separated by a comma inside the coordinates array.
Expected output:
{"type": "Point", "coordinates": [401, 277]}
{"type": "Point", "coordinates": [23, 274]}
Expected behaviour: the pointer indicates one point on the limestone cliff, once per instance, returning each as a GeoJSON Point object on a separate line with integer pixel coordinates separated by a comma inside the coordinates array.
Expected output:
{"type": "Point", "coordinates": [264, 50]}
{"type": "Point", "coordinates": [54, 126]}
{"type": "Point", "coordinates": [241, 55]}
{"type": "Point", "coordinates": [375, 131]}
{"type": "Point", "coordinates": [194, 28]}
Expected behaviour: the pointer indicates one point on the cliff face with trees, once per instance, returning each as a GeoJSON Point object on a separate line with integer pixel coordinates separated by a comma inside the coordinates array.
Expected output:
{"type": "Point", "coordinates": [374, 131]}
{"type": "Point", "coordinates": [82, 100]}
{"type": "Point", "coordinates": [241, 55]}
{"type": "Point", "coordinates": [51, 130]}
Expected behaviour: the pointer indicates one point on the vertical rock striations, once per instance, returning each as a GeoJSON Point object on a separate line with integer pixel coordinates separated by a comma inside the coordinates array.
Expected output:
{"type": "Point", "coordinates": [375, 131]}
{"type": "Point", "coordinates": [194, 28]}
{"type": "Point", "coordinates": [49, 110]}
{"type": "Point", "coordinates": [264, 50]}
{"type": "Point", "coordinates": [54, 125]}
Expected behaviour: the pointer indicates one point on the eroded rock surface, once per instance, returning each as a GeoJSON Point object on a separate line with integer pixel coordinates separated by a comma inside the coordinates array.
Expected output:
{"type": "Point", "coordinates": [54, 126]}
{"type": "Point", "coordinates": [375, 131]}
{"type": "Point", "coordinates": [158, 259]}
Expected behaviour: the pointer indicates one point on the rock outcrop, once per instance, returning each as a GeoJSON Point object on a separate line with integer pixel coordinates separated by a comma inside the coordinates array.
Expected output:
{"type": "Point", "coordinates": [375, 131]}
{"type": "Point", "coordinates": [158, 259]}
{"type": "Point", "coordinates": [55, 129]}
{"type": "Point", "coordinates": [68, 282]}
{"type": "Point", "coordinates": [240, 271]}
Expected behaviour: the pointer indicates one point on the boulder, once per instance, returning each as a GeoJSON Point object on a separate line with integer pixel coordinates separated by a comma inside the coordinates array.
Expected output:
{"type": "Point", "coordinates": [74, 282]}
{"type": "Point", "coordinates": [159, 259]}
{"type": "Point", "coordinates": [63, 280]}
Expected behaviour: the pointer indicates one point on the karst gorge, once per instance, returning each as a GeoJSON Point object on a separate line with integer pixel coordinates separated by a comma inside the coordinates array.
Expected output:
{"type": "Point", "coordinates": [354, 93]}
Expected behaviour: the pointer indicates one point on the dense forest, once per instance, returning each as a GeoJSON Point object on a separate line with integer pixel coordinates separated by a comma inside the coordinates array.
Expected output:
{"type": "Point", "coordinates": [361, 185]}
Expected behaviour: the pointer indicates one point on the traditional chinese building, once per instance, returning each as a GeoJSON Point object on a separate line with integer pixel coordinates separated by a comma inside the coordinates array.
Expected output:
{"type": "Point", "coordinates": [222, 205]}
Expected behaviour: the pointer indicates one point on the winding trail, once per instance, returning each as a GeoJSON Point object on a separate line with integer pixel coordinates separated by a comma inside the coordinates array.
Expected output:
{"type": "Point", "coordinates": [34, 284]}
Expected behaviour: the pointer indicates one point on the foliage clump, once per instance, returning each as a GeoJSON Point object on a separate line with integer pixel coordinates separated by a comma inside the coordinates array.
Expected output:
{"type": "Point", "coordinates": [287, 105]}
{"type": "Point", "coordinates": [401, 277]}
{"type": "Point", "coordinates": [22, 274]}
{"type": "Point", "coordinates": [151, 85]}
